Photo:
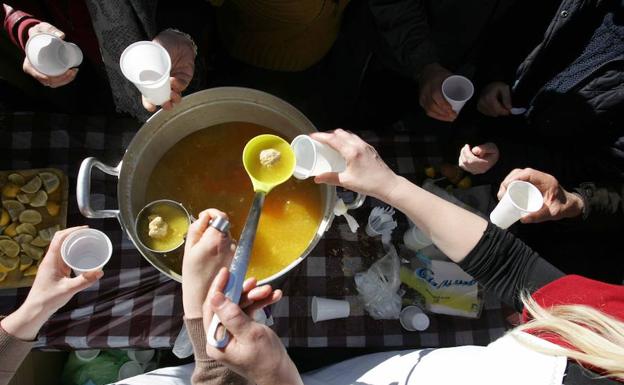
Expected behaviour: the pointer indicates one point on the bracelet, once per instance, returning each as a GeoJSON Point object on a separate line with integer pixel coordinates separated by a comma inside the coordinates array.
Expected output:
{"type": "Point", "coordinates": [187, 36]}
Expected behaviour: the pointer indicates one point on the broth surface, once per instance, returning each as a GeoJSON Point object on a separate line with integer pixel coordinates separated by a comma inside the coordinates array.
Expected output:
{"type": "Point", "coordinates": [205, 170]}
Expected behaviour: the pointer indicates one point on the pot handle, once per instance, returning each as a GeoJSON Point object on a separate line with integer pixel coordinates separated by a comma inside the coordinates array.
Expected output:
{"type": "Point", "coordinates": [83, 188]}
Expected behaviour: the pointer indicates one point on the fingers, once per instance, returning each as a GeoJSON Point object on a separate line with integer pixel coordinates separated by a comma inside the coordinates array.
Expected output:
{"type": "Point", "coordinates": [539, 216]}
{"type": "Point", "coordinates": [49, 81]}
{"type": "Point", "coordinates": [83, 281]}
{"type": "Point", "coordinates": [46, 28]}
{"type": "Point", "coordinates": [505, 97]}
{"type": "Point", "coordinates": [330, 178]}
{"type": "Point", "coordinates": [274, 297]}
{"type": "Point", "coordinates": [196, 230]}
{"type": "Point", "coordinates": [148, 105]}
{"type": "Point", "coordinates": [231, 315]}
{"type": "Point", "coordinates": [211, 232]}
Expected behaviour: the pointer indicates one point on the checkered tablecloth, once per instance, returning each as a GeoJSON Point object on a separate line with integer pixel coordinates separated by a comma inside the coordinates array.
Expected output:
{"type": "Point", "coordinates": [136, 306]}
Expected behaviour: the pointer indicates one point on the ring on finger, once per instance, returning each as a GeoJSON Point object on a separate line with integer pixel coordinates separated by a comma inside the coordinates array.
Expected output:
{"type": "Point", "coordinates": [220, 223]}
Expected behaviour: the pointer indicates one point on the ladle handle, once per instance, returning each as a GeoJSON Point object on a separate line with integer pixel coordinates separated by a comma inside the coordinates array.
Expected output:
{"type": "Point", "coordinates": [238, 270]}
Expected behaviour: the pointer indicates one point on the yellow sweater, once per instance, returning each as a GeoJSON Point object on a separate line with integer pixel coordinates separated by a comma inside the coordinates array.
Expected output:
{"type": "Point", "coordinates": [283, 35]}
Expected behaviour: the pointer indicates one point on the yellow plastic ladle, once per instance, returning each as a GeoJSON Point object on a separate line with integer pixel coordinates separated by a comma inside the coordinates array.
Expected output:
{"type": "Point", "coordinates": [263, 179]}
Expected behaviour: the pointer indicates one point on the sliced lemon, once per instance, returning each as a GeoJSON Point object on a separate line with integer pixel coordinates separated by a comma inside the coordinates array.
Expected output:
{"type": "Point", "coordinates": [39, 199]}
{"type": "Point", "coordinates": [465, 183]}
{"type": "Point", "coordinates": [10, 230]}
{"type": "Point", "coordinates": [10, 190]}
{"type": "Point", "coordinates": [14, 208]}
{"type": "Point", "coordinates": [8, 264]}
{"type": "Point", "coordinates": [53, 208]}
{"type": "Point", "coordinates": [23, 238]}
{"type": "Point", "coordinates": [30, 216]}
{"type": "Point", "coordinates": [32, 251]}
{"type": "Point", "coordinates": [33, 185]}
{"type": "Point", "coordinates": [23, 197]}
{"type": "Point", "coordinates": [17, 179]}
{"type": "Point", "coordinates": [30, 271]}
{"type": "Point", "coordinates": [3, 276]}
{"type": "Point", "coordinates": [4, 218]}
{"type": "Point", "coordinates": [9, 247]}
{"type": "Point", "coordinates": [50, 181]}
{"type": "Point", "coordinates": [27, 228]}
{"type": "Point", "coordinates": [25, 262]}
{"type": "Point", "coordinates": [39, 242]}
{"type": "Point", "coordinates": [48, 234]}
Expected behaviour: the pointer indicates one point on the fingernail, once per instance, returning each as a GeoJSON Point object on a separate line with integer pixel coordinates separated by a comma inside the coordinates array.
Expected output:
{"type": "Point", "coordinates": [99, 274]}
{"type": "Point", "coordinates": [218, 300]}
{"type": "Point", "coordinates": [58, 33]}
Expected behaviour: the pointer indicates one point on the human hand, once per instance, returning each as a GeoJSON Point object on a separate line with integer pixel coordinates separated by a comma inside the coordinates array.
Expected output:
{"type": "Point", "coordinates": [366, 172]}
{"type": "Point", "coordinates": [478, 159]}
{"type": "Point", "coordinates": [558, 203]}
{"type": "Point", "coordinates": [51, 290]}
{"type": "Point", "coordinates": [206, 251]}
{"type": "Point", "coordinates": [46, 80]}
{"type": "Point", "coordinates": [431, 98]}
{"type": "Point", "coordinates": [495, 100]}
{"type": "Point", "coordinates": [254, 351]}
{"type": "Point", "coordinates": [182, 51]}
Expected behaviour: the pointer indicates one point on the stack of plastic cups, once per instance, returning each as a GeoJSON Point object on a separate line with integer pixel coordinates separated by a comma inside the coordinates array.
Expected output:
{"type": "Point", "coordinates": [87, 355]}
{"type": "Point", "coordinates": [143, 358]}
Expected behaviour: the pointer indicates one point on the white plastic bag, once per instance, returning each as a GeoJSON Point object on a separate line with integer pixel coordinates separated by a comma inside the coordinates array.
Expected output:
{"type": "Point", "coordinates": [378, 287]}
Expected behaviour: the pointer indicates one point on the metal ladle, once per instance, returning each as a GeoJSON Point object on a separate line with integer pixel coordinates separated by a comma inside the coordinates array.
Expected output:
{"type": "Point", "coordinates": [262, 185]}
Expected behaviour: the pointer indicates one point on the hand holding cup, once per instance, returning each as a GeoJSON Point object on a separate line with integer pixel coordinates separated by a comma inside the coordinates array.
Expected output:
{"type": "Point", "coordinates": [558, 203]}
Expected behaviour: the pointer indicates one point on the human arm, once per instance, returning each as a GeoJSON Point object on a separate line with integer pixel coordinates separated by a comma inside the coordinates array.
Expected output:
{"type": "Point", "coordinates": [254, 350]}
{"type": "Point", "coordinates": [182, 51]}
{"type": "Point", "coordinates": [206, 251]}
{"type": "Point", "coordinates": [494, 257]}
{"type": "Point", "coordinates": [404, 40]}
{"type": "Point", "coordinates": [51, 290]}
{"type": "Point", "coordinates": [20, 26]}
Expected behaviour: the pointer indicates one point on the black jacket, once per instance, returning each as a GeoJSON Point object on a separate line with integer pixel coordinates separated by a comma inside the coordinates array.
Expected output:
{"type": "Point", "coordinates": [577, 135]}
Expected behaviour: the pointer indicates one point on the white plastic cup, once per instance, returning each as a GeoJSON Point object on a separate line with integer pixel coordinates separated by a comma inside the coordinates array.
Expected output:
{"type": "Point", "coordinates": [457, 90]}
{"type": "Point", "coordinates": [414, 239]}
{"type": "Point", "coordinates": [141, 356]}
{"type": "Point", "coordinates": [412, 318]}
{"type": "Point", "coordinates": [87, 355]}
{"type": "Point", "coordinates": [384, 218]}
{"type": "Point", "coordinates": [315, 158]}
{"type": "Point", "coordinates": [86, 250]}
{"type": "Point", "coordinates": [147, 65]}
{"type": "Point", "coordinates": [324, 309]}
{"type": "Point", "coordinates": [520, 199]}
{"type": "Point", "coordinates": [129, 369]}
{"type": "Point", "coordinates": [52, 56]}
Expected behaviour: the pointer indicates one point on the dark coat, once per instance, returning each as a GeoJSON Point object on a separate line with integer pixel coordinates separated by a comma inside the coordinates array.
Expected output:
{"type": "Point", "coordinates": [578, 135]}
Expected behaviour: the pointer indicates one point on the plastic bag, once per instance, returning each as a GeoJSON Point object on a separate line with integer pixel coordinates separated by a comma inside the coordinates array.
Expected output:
{"type": "Point", "coordinates": [378, 287]}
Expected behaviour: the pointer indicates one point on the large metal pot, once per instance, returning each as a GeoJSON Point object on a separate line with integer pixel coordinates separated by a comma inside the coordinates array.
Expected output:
{"type": "Point", "coordinates": [165, 128]}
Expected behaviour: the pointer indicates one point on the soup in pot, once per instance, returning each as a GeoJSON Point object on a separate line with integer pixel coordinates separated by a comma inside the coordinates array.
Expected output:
{"type": "Point", "coordinates": [205, 170]}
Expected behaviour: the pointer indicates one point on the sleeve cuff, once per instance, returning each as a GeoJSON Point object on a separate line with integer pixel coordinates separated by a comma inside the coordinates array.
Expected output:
{"type": "Point", "coordinates": [12, 349]}
{"type": "Point", "coordinates": [195, 328]}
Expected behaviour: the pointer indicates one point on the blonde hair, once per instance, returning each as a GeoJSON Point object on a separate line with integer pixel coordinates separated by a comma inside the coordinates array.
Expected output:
{"type": "Point", "coordinates": [597, 337]}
